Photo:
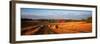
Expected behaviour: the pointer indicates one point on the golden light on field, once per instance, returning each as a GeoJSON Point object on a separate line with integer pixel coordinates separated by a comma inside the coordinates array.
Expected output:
{"type": "Point", "coordinates": [71, 27]}
{"type": "Point", "coordinates": [58, 28]}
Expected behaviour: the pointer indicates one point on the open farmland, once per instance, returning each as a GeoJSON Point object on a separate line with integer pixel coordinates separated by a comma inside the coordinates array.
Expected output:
{"type": "Point", "coordinates": [71, 27]}
{"type": "Point", "coordinates": [56, 28]}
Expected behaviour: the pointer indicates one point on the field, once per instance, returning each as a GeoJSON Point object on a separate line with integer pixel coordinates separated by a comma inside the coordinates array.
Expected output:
{"type": "Point", "coordinates": [38, 28]}
{"type": "Point", "coordinates": [71, 27]}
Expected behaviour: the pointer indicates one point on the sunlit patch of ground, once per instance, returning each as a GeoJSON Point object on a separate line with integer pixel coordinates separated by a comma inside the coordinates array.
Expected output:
{"type": "Point", "coordinates": [71, 27]}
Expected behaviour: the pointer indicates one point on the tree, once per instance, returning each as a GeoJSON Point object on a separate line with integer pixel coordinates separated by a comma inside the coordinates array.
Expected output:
{"type": "Point", "coordinates": [89, 19]}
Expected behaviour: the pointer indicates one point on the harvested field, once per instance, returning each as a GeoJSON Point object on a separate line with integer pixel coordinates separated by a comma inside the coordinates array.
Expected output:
{"type": "Point", "coordinates": [57, 28]}
{"type": "Point", "coordinates": [71, 27]}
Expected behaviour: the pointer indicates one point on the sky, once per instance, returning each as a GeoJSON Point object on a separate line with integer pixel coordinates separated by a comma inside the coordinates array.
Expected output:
{"type": "Point", "coordinates": [39, 13]}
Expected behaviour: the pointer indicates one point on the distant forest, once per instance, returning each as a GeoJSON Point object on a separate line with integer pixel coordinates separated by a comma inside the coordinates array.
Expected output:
{"type": "Point", "coordinates": [89, 20]}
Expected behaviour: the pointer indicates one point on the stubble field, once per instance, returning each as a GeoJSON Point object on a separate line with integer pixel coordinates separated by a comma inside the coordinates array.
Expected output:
{"type": "Point", "coordinates": [71, 27]}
